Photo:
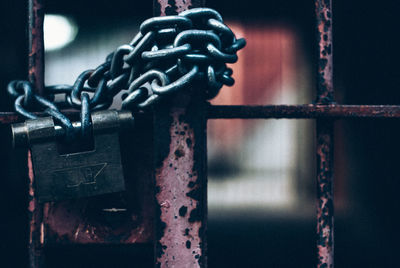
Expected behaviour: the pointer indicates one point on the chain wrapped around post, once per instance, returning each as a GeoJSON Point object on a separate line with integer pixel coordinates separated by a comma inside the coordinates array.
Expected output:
{"type": "Point", "coordinates": [166, 56]}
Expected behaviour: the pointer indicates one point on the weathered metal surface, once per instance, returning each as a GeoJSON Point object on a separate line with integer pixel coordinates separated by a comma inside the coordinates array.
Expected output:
{"type": "Point", "coordinates": [36, 44]}
{"type": "Point", "coordinates": [181, 188]}
{"type": "Point", "coordinates": [124, 218]}
{"type": "Point", "coordinates": [93, 171]}
{"type": "Point", "coordinates": [168, 7]}
{"type": "Point", "coordinates": [181, 180]}
{"type": "Point", "coordinates": [119, 218]}
{"type": "Point", "coordinates": [36, 77]}
{"type": "Point", "coordinates": [303, 111]}
{"type": "Point", "coordinates": [325, 95]}
{"type": "Point", "coordinates": [325, 208]}
{"type": "Point", "coordinates": [35, 213]}
{"type": "Point", "coordinates": [273, 111]}
{"type": "Point", "coordinates": [325, 91]}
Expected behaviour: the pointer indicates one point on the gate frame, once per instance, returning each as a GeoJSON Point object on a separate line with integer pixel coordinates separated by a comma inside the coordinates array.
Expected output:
{"type": "Point", "coordinates": [192, 158]}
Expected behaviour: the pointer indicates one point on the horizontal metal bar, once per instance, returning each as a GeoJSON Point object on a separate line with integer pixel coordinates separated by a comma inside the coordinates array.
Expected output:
{"type": "Point", "coordinates": [302, 111]}
{"type": "Point", "coordinates": [271, 111]}
{"type": "Point", "coordinates": [9, 118]}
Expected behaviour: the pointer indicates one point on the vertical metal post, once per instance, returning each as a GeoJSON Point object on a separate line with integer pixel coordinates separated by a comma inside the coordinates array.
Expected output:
{"type": "Point", "coordinates": [36, 77]}
{"type": "Point", "coordinates": [325, 92]}
{"type": "Point", "coordinates": [325, 209]}
{"type": "Point", "coordinates": [35, 243]}
{"type": "Point", "coordinates": [325, 95]}
{"type": "Point", "coordinates": [36, 44]}
{"type": "Point", "coordinates": [180, 172]}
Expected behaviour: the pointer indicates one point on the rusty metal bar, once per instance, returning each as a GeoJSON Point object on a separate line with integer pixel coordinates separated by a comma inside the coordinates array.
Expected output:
{"type": "Point", "coordinates": [180, 172]}
{"type": "Point", "coordinates": [35, 212]}
{"type": "Point", "coordinates": [306, 111]}
{"type": "Point", "coordinates": [325, 128]}
{"type": "Point", "coordinates": [36, 44]}
{"type": "Point", "coordinates": [325, 208]}
{"type": "Point", "coordinates": [36, 77]}
{"type": "Point", "coordinates": [302, 111]}
{"type": "Point", "coordinates": [325, 91]}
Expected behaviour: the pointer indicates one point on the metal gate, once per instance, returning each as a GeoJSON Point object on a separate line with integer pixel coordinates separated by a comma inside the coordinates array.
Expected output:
{"type": "Point", "coordinates": [179, 150]}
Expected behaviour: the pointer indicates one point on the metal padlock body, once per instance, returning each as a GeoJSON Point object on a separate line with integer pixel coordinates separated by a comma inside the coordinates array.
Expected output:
{"type": "Point", "coordinates": [76, 175]}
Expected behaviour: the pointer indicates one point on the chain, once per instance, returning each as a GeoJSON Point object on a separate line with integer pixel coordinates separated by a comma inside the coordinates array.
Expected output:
{"type": "Point", "coordinates": [165, 57]}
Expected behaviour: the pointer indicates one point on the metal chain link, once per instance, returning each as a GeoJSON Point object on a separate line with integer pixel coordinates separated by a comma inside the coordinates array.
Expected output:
{"type": "Point", "coordinates": [165, 57]}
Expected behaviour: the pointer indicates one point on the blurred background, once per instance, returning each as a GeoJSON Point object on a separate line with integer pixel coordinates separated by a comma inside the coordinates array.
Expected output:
{"type": "Point", "coordinates": [261, 172]}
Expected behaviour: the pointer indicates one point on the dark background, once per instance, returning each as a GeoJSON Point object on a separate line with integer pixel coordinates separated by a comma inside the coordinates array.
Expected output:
{"type": "Point", "coordinates": [366, 72]}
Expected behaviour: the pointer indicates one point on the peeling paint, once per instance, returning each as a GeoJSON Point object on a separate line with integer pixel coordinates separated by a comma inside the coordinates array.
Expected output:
{"type": "Point", "coordinates": [36, 45]}
{"type": "Point", "coordinates": [180, 161]}
{"type": "Point", "coordinates": [325, 208]}
{"type": "Point", "coordinates": [36, 232]}
{"type": "Point", "coordinates": [325, 95]}
{"type": "Point", "coordinates": [325, 89]}
{"type": "Point", "coordinates": [173, 184]}
{"type": "Point", "coordinates": [182, 5]}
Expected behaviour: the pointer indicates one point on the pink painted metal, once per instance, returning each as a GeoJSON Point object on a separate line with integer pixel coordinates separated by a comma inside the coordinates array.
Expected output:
{"type": "Point", "coordinates": [181, 177]}
{"type": "Point", "coordinates": [181, 198]}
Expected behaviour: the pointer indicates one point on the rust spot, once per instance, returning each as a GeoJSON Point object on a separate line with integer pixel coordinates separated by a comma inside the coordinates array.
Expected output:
{"type": "Point", "coordinates": [179, 153]}
{"type": "Point", "coordinates": [182, 5]}
{"type": "Point", "coordinates": [183, 211]}
{"type": "Point", "coordinates": [189, 142]}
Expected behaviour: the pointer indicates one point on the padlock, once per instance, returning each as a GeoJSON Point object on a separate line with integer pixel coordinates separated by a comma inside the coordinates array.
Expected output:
{"type": "Point", "coordinates": [75, 175]}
